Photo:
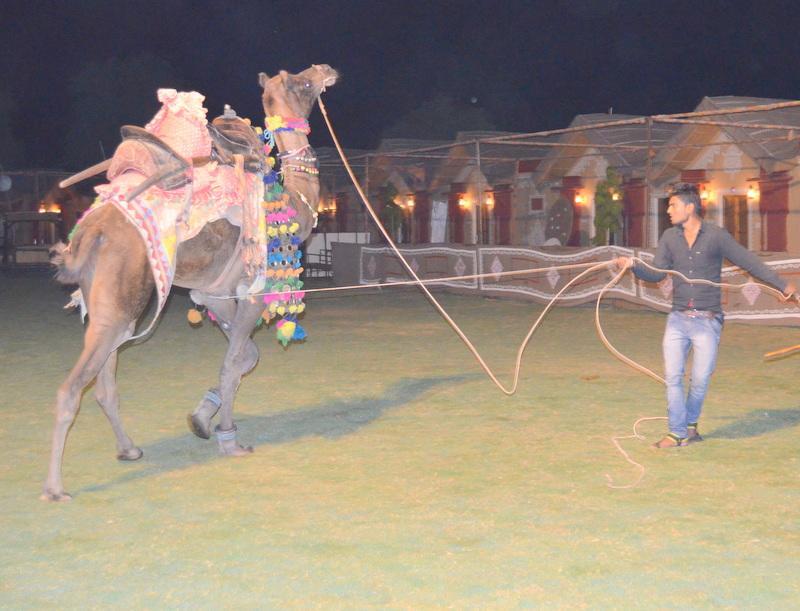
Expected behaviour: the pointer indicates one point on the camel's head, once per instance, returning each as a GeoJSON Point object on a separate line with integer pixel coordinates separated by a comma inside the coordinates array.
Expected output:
{"type": "Point", "coordinates": [293, 95]}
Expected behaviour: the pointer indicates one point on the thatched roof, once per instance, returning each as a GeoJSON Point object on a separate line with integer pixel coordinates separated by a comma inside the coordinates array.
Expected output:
{"type": "Point", "coordinates": [767, 146]}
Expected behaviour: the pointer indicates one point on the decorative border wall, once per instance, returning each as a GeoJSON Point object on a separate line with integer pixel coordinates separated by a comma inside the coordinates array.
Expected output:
{"type": "Point", "coordinates": [382, 265]}
{"type": "Point", "coordinates": [544, 285]}
{"type": "Point", "coordinates": [378, 264]}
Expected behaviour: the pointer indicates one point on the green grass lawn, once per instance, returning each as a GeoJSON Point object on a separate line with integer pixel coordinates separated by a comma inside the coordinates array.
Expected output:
{"type": "Point", "coordinates": [390, 472]}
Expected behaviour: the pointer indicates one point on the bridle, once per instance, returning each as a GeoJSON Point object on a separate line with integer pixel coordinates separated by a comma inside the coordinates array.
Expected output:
{"type": "Point", "coordinates": [302, 159]}
{"type": "Point", "coordinates": [299, 161]}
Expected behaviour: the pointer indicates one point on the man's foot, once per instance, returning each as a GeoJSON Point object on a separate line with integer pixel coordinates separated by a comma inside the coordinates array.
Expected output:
{"type": "Point", "coordinates": [670, 441]}
{"type": "Point", "coordinates": [692, 436]}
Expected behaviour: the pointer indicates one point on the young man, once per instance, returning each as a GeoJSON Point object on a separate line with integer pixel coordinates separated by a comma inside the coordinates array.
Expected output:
{"type": "Point", "coordinates": [696, 249]}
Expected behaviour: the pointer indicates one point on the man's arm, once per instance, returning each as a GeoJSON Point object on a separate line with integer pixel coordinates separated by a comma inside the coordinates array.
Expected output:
{"type": "Point", "coordinates": [739, 255]}
{"type": "Point", "coordinates": [662, 260]}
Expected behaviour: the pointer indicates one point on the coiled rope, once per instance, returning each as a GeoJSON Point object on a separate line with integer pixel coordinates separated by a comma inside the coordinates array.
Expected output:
{"type": "Point", "coordinates": [645, 370]}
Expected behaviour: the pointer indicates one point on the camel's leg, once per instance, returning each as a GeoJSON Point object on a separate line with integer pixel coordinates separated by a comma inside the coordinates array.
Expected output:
{"type": "Point", "coordinates": [107, 396]}
{"type": "Point", "coordinates": [99, 342]}
{"type": "Point", "coordinates": [109, 261]}
{"type": "Point", "coordinates": [225, 312]}
{"type": "Point", "coordinates": [240, 358]}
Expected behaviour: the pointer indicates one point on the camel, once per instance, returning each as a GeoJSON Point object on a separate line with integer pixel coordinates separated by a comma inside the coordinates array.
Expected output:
{"type": "Point", "coordinates": [108, 260]}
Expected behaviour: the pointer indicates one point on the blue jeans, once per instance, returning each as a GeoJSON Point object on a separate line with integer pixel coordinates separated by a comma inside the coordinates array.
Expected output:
{"type": "Point", "coordinates": [702, 336]}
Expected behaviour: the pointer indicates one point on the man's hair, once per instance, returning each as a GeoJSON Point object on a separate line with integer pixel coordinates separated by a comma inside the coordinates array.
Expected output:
{"type": "Point", "coordinates": [689, 194]}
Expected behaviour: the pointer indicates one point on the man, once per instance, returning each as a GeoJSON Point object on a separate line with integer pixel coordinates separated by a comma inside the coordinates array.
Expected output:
{"type": "Point", "coordinates": [696, 249]}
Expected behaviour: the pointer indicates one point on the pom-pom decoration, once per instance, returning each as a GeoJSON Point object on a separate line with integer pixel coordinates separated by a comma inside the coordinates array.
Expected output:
{"type": "Point", "coordinates": [283, 298]}
{"type": "Point", "coordinates": [195, 317]}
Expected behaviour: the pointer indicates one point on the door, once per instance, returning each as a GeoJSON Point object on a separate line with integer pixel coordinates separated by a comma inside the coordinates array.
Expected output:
{"type": "Point", "coordinates": [438, 225]}
{"type": "Point", "coordinates": [735, 217]}
{"type": "Point", "coordinates": [502, 216]}
{"type": "Point", "coordinates": [663, 218]}
{"type": "Point", "coordinates": [455, 218]}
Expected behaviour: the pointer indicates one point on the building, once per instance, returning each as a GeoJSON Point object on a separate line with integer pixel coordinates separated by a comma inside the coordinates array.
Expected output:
{"type": "Point", "coordinates": [554, 198]}
{"type": "Point", "coordinates": [745, 164]}
{"type": "Point", "coordinates": [537, 190]}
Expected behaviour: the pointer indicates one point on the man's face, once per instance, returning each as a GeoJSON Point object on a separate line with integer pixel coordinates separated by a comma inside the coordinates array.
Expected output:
{"type": "Point", "coordinates": [678, 210]}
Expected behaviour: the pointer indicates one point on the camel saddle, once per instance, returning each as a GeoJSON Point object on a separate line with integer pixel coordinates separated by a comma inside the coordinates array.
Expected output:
{"type": "Point", "coordinates": [149, 155]}
{"type": "Point", "coordinates": [231, 136]}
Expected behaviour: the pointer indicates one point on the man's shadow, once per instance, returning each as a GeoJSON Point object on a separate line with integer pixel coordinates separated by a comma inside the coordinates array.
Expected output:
{"type": "Point", "coordinates": [757, 422]}
{"type": "Point", "coordinates": [329, 420]}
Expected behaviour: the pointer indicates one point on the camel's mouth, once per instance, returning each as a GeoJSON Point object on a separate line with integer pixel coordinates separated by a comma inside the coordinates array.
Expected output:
{"type": "Point", "coordinates": [329, 75]}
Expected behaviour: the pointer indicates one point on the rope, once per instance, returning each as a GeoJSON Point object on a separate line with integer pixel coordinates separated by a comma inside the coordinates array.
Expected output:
{"type": "Point", "coordinates": [516, 272]}
{"type": "Point", "coordinates": [379, 285]}
{"type": "Point", "coordinates": [419, 282]}
{"type": "Point", "coordinates": [594, 267]}
{"type": "Point", "coordinates": [626, 456]}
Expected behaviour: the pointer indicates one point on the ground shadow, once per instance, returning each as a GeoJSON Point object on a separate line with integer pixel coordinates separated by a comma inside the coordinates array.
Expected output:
{"type": "Point", "coordinates": [328, 420]}
{"type": "Point", "coordinates": [757, 422]}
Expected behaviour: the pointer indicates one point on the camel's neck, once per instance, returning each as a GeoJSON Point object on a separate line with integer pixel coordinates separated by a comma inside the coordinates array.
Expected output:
{"type": "Point", "coordinates": [296, 180]}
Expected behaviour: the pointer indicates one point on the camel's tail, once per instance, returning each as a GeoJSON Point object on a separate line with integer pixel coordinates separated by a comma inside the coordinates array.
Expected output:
{"type": "Point", "coordinates": [75, 261]}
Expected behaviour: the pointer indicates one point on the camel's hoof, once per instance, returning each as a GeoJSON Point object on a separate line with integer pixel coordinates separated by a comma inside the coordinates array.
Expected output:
{"type": "Point", "coordinates": [228, 446]}
{"type": "Point", "coordinates": [200, 419]}
{"type": "Point", "coordinates": [55, 497]}
{"type": "Point", "coordinates": [199, 427]}
{"type": "Point", "coordinates": [236, 450]}
{"type": "Point", "coordinates": [130, 455]}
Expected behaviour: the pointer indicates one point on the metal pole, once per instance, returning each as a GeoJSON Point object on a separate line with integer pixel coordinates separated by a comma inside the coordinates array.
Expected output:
{"type": "Point", "coordinates": [479, 202]}
{"type": "Point", "coordinates": [648, 167]}
{"type": "Point", "coordinates": [366, 190]}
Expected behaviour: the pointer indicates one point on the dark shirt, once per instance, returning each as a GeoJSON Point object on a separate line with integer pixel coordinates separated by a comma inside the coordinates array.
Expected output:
{"type": "Point", "coordinates": [702, 260]}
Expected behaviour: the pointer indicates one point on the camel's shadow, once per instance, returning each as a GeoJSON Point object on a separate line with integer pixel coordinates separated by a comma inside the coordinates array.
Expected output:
{"type": "Point", "coordinates": [757, 422]}
{"type": "Point", "coordinates": [329, 420]}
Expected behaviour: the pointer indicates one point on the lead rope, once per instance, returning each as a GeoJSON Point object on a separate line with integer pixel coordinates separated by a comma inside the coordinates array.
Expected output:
{"type": "Point", "coordinates": [431, 298]}
{"type": "Point", "coordinates": [598, 326]}
{"type": "Point", "coordinates": [641, 368]}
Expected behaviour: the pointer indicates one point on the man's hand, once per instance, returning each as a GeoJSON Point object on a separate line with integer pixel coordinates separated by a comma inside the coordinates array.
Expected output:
{"type": "Point", "coordinates": [620, 263]}
{"type": "Point", "coordinates": [790, 292]}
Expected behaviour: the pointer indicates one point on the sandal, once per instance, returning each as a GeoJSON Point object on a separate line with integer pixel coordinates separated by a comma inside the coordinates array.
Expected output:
{"type": "Point", "coordinates": [693, 436]}
{"type": "Point", "coordinates": [670, 441]}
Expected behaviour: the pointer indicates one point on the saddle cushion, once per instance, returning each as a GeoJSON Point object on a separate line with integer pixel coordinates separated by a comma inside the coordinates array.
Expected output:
{"type": "Point", "coordinates": [181, 123]}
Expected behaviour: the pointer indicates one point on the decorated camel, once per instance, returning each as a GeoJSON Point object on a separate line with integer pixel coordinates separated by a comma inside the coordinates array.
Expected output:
{"type": "Point", "coordinates": [159, 222]}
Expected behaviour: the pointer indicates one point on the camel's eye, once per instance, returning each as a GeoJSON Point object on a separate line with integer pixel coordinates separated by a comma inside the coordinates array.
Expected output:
{"type": "Point", "coordinates": [307, 84]}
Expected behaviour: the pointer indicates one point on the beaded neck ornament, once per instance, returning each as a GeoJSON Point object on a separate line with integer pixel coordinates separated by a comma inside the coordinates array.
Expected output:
{"type": "Point", "coordinates": [283, 295]}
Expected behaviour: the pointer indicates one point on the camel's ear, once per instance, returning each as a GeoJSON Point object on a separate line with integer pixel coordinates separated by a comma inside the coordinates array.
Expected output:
{"type": "Point", "coordinates": [283, 74]}
{"type": "Point", "coordinates": [263, 79]}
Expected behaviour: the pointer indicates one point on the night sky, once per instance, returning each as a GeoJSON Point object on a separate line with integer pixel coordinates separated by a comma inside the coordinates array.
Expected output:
{"type": "Point", "coordinates": [72, 71]}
